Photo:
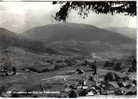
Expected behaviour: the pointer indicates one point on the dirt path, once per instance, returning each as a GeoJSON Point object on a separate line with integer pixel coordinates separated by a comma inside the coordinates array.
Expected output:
{"type": "Point", "coordinates": [57, 77]}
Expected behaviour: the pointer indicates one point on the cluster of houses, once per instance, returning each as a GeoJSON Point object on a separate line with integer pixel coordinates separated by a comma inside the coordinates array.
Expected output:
{"type": "Point", "coordinates": [110, 84]}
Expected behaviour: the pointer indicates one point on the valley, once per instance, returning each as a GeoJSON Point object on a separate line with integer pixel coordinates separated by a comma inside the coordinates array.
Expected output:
{"type": "Point", "coordinates": [66, 57]}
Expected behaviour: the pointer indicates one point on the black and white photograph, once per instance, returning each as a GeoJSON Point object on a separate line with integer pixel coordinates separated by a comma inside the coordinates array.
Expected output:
{"type": "Point", "coordinates": [68, 49]}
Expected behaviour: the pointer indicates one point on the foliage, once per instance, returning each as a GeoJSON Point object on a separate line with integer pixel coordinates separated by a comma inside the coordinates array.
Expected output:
{"type": "Point", "coordinates": [99, 7]}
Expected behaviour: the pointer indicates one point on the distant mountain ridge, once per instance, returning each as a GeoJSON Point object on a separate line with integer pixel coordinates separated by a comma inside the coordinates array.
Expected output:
{"type": "Point", "coordinates": [7, 37]}
{"type": "Point", "coordinates": [72, 31]}
{"type": "Point", "coordinates": [71, 38]}
{"type": "Point", "coordinates": [11, 39]}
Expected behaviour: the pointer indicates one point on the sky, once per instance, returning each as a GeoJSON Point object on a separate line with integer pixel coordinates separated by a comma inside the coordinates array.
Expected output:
{"type": "Point", "coordinates": [21, 16]}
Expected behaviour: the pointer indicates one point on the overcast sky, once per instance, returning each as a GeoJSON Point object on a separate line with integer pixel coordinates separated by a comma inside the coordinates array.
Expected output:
{"type": "Point", "coordinates": [20, 16]}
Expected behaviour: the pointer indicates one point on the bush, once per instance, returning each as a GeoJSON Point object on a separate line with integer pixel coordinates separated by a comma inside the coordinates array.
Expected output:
{"type": "Point", "coordinates": [111, 77]}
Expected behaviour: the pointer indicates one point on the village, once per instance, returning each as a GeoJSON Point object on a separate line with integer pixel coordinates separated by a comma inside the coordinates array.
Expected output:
{"type": "Point", "coordinates": [68, 49]}
{"type": "Point", "coordinates": [76, 77]}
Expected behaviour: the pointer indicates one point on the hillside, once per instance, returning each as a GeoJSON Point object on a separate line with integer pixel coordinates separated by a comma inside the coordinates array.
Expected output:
{"type": "Point", "coordinates": [72, 31]}
{"type": "Point", "coordinates": [128, 32]}
{"type": "Point", "coordinates": [7, 38]}
{"type": "Point", "coordinates": [71, 38]}
{"type": "Point", "coordinates": [10, 39]}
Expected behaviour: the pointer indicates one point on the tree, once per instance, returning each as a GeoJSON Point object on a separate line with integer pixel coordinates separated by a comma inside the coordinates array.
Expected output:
{"type": "Point", "coordinates": [6, 61]}
{"type": "Point", "coordinates": [99, 7]}
{"type": "Point", "coordinates": [110, 76]}
{"type": "Point", "coordinates": [133, 67]}
{"type": "Point", "coordinates": [117, 66]}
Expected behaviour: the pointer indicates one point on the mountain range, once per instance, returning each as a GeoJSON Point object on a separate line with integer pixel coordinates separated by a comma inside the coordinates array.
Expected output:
{"type": "Point", "coordinates": [70, 39]}
{"type": "Point", "coordinates": [66, 38]}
